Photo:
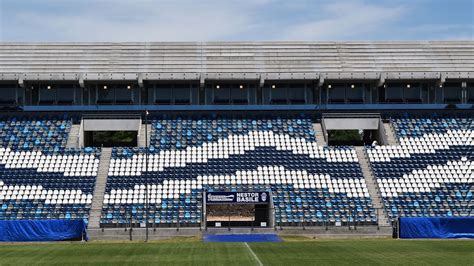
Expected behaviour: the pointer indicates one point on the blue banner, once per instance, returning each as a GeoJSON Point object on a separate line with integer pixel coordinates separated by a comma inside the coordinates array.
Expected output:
{"type": "Point", "coordinates": [42, 230]}
{"type": "Point", "coordinates": [442, 227]}
{"type": "Point", "coordinates": [237, 197]}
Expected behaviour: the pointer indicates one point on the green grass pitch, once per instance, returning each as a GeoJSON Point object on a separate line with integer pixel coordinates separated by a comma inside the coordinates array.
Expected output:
{"type": "Point", "coordinates": [293, 251]}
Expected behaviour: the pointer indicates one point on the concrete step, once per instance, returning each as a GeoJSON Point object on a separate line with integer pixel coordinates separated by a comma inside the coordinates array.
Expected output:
{"type": "Point", "coordinates": [141, 139]}
{"type": "Point", "coordinates": [319, 134]}
{"type": "Point", "coordinates": [99, 190]}
{"type": "Point", "coordinates": [372, 186]}
{"type": "Point", "coordinates": [73, 137]}
{"type": "Point", "coordinates": [392, 140]}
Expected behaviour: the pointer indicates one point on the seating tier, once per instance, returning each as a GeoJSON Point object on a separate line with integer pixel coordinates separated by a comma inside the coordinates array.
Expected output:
{"type": "Point", "coordinates": [309, 183]}
{"type": "Point", "coordinates": [431, 172]}
{"type": "Point", "coordinates": [39, 177]}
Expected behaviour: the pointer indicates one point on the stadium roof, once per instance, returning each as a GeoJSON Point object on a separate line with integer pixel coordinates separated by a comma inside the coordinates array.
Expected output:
{"type": "Point", "coordinates": [237, 60]}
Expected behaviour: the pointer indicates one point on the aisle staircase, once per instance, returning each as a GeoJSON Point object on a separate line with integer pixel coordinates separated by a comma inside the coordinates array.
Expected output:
{"type": "Point", "coordinates": [141, 139]}
{"type": "Point", "coordinates": [318, 129]}
{"type": "Point", "coordinates": [392, 140]}
{"type": "Point", "coordinates": [372, 186]}
{"type": "Point", "coordinates": [99, 190]}
{"type": "Point", "coordinates": [73, 137]}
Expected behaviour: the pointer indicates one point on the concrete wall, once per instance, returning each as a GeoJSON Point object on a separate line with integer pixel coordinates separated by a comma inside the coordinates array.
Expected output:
{"type": "Point", "coordinates": [316, 232]}
{"type": "Point", "coordinates": [351, 123]}
{"type": "Point", "coordinates": [111, 124]}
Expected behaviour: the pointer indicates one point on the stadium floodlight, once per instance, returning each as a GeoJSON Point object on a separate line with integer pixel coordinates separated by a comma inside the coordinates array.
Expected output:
{"type": "Point", "coordinates": [105, 87]}
{"type": "Point", "coordinates": [352, 86]}
{"type": "Point", "coordinates": [273, 86]}
{"type": "Point", "coordinates": [218, 87]}
{"type": "Point", "coordinates": [329, 86]}
{"type": "Point", "coordinates": [408, 85]}
{"type": "Point", "coordinates": [48, 87]}
{"type": "Point", "coordinates": [129, 87]}
{"type": "Point", "coordinates": [241, 86]}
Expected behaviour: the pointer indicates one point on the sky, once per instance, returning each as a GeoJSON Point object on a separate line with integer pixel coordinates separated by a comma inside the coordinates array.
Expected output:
{"type": "Point", "coordinates": [234, 20]}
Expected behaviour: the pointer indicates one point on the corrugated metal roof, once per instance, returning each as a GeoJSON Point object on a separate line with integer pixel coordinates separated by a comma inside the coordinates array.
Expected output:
{"type": "Point", "coordinates": [454, 58]}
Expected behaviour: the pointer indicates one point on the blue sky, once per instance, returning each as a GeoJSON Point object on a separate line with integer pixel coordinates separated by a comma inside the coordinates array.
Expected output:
{"type": "Point", "coordinates": [235, 20]}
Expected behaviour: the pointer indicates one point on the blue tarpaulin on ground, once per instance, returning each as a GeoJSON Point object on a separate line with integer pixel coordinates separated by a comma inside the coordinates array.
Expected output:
{"type": "Point", "coordinates": [442, 227]}
{"type": "Point", "coordinates": [242, 238]}
{"type": "Point", "coordinates": [42, 230]}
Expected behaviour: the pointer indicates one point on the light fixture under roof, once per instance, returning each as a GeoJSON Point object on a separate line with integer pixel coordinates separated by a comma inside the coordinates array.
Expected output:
{"type": "Point", "coordinates": [218, 86]}
{"type": "Point", "coordinates": [329, 86]}
{"type": "Point", "coordinates": [241, 86]}
{"type": "Point", "coordinates": [129, 87]}
{"type": "Point", "coordinates": [352, 86]}
{"type": "Point", "coordinates": [48, 87]}
{"type": "Point", "coordinates": [105, 87]}
{"type": "Point", "coordinates": [408, 85]}
{"type": "Point", "coordinates": [273, 86]}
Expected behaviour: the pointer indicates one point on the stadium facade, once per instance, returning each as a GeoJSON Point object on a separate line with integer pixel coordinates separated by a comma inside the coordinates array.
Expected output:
{"type": "Point", "coordinates": [285, 75]}
{"type": "Point", "coordinates": [343, 137]}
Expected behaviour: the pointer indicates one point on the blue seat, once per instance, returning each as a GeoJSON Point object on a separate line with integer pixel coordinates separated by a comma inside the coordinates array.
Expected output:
{"type": "Point", "coordinates": [297, 204]}
{"type": "Point", "coordinates": [447, 151]}
{"type": "Point", "coordinates": [30, 141]}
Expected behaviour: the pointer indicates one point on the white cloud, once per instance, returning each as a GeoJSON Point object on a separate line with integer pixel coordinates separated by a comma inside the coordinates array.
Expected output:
{"type": "Point", "coordinates": [442, 32]}
{"type": "Point", "coordinates": [346, 20]}
{"type": "Point", "coordinates": [142, 20]}
{"type": "Point", "coordinates": [217, 20]}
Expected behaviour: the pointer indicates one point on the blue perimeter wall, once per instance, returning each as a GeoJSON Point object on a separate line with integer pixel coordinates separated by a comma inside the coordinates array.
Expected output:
{"type": "Point", "coordinates": [442, 227]}
{"type": "Point", "coordinates": [242, 238]}
{"type": "Point", "coordinates": [42, 230]}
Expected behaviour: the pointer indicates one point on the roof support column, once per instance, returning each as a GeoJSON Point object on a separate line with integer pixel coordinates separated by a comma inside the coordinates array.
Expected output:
{"type": "Point", "coordinates": [321, 79]}
{"type": "Point", "coordinates": [81, 81]}
{"type": "Point", "coordinates": [21, 82]}
{"type": "Point", "coordinates": [381, 80]}
{"type": "Point", "coordinates": [441, 80]}
{"type": "Point", "coordinates": [140, 80]}
{"type": "Point", "coordinates": [202, 80]}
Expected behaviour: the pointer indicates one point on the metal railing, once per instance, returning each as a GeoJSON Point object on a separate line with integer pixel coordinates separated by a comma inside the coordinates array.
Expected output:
{"type": "Point", "coordinates": [352, 221]}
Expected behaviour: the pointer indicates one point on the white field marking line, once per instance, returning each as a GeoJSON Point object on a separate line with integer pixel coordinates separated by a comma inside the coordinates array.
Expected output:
{"type": "Point", "coordinates": [253, 254]}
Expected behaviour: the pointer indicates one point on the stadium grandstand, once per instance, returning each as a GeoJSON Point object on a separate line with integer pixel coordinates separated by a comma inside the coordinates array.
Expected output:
{"type": "Point", "coordinates": [147, 140]}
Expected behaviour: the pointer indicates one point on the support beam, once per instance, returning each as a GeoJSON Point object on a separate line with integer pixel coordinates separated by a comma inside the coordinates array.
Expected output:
{"type": "Point", "coordinates": [441, 80]}
{"type": "Point", "coordinates": [381, 80]}
{"type": "Point", "coordinates": [202, 80]}
{"type": "Point", "coordinates": [321, 80]}
{"type": "Point", "coordinates": [140, 80]}
{"type": "Point", "coordinates": [262, 81]}
{"type": "Point", "coordinates": [21, 82]}
{"type": "Point", "coordinates": [81, 81]}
